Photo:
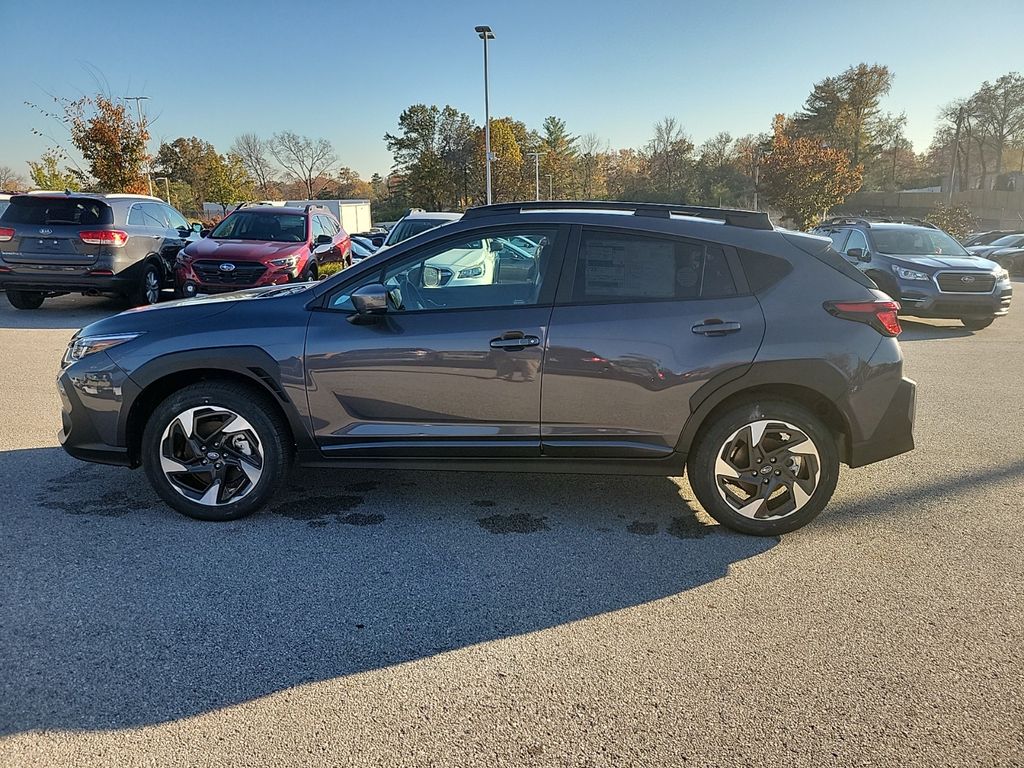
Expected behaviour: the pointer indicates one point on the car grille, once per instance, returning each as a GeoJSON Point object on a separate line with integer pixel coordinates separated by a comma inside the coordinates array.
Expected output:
{"type": "Point", "coordinates": [244, 273]}
{"type": "Point", "coordinates": [965, 282]}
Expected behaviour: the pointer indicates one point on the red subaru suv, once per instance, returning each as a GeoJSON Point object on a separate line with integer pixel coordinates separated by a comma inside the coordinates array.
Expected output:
{"type": "Point", "coordinates": [260, 245]}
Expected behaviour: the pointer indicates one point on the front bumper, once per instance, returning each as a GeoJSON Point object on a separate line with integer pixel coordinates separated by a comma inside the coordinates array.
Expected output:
{"type": "Point", "coordinates": [925, 300]}
{"type": "Point", "coordinates": [92, 395]}
{"type": "Point", "coordinates": [189, 283]}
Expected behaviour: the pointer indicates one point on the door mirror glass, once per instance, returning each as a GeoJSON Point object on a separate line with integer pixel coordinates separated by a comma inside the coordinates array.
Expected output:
{"type": "Point", "coordinates": [370, 300]}
{"type": "Point", "coordinates": [204, 233]}
{"type": "Point", "coordinates": [197, 228]}
{"type": "Point", "coordinates": [858, 254]}
{"type": "Point", "coordinates": [323, 240]}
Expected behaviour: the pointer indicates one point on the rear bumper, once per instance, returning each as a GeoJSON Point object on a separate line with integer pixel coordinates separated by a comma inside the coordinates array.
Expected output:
{"type": "Point", "coordinates": [65, 284]}
{"type": "Point", "coordinates": [895, 431]}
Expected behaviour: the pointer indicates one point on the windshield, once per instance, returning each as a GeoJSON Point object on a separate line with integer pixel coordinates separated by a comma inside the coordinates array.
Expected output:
{"type": "Point", "coordinates": [1009, 240]}
{"type": "Point", "coordinates": [407, 228]}
{"type": "Point", "coordinates": [250, 225]}
{"type": "Point", "coordinates": [80, 211]}
{"type": "Point", "coordinates": [917, 242]}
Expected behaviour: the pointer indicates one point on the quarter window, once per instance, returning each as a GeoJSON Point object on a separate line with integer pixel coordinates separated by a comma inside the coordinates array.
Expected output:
{"type": "Point", "coordinates": [625, 267]}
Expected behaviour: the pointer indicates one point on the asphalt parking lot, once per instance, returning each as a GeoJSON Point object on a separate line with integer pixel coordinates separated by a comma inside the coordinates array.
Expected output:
{"type": "Point", "coordinates": [454, 619]}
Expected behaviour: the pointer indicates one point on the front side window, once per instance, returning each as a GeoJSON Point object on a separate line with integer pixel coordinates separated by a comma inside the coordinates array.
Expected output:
{"type": "Point", "coordinates": [626, 267]}
{"type": "Point", "coordinates": [488, 270]}
{"type": "Point", "coordinates": [176, 219]}
{"type": "Point", "coordinates": [857, 240]}
{"type": "Point", "coordinates": [155, 216]}
{"type": "Point", "coordinates": [273, 227]}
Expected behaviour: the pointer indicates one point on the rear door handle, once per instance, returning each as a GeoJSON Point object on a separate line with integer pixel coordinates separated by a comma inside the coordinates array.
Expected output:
{"type": "Point", "coordinates": [716, 328]}
{"type": "Point", "coordinates": [514, 340]}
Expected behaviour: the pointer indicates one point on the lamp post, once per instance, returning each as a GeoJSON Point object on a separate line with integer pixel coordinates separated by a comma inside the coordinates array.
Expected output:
{"type": "Point", "coordinates": [167, 187]}
{"type": "Point", "coordinates": [551, 187]}
{"type": "Point", "coordinates": [138, 113]}
{"type": "Point", "coordinates": [485, 34]}
{"type": "Point", "coordinates": [536, 172]}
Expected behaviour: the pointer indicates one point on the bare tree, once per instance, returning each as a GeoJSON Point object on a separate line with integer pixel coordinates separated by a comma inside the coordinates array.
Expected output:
{"type": "Point", "coordinates": [304, 159]}
{"type": "Point", "coordinates": [11, 180]}
{"type": "Point", "coordinates": [254, 153]}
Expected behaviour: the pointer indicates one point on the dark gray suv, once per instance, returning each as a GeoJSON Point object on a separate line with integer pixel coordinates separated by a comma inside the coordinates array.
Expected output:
{"type": "Point", "coordinates": [54, 243]}
{"type": "Point", "coordinates": [607, 338]}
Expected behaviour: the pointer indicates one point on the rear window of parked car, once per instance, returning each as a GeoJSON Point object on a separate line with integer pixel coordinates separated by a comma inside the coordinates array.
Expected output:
{"type": "Point", "coordinates": [74, 211]}
{"type": "Point", "coordinates": [626, 267]}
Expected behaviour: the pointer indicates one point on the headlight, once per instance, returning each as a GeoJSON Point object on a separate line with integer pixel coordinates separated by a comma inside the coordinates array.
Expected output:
{"type": "Point", "coordinates": [1002, 274]}
{"type": "Point", "coordinates": [287, 261]}
{"type": "Point", "coordinates": [474, 271]}
{"type": "Point", "coordinates": [910, 274]}
{"type": "Point", "coordinates": [87, 345]}
{"type": "Point", "coordinates": [181, 258]}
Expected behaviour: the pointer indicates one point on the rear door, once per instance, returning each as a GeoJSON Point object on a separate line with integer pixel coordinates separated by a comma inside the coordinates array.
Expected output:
{"type": "Point", "coordinates": [47, 231]}
{"type": "Point", "coordinates": [640, 324]}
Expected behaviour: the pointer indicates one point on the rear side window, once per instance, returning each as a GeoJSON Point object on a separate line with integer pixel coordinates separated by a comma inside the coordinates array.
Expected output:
{"type": "Point", "coordinates": [75, 211]}
{"type": "Point", "coordinates": [627, 267]}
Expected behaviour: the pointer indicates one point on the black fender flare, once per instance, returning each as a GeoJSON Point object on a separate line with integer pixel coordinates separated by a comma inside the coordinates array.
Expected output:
{"type": "Point", "coordinates": [818, 376]}
{"type": "Point", "coordinates": [252, 363]}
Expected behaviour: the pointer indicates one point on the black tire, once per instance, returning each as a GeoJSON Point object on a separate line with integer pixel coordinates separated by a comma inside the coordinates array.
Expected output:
{"type": "Point", "coordinates": [273, 445]}
{"type": "Point", "coordinates": [143, 294]}
{"type": "Point", "coordinates": [977, 323]}
{"type": "Point", "coordinates": [713, 441]}
{"type": "Point", "coordinates": [310, 273]}
{"type": "Point", "coordinates": [25, 299]}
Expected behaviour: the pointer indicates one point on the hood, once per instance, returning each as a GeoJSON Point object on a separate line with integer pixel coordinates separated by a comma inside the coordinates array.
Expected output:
{"type": "Point", "coordinates": [171, 313]}
{"type": "Point", "coordinates": [240, 250]}
{"type": "Point", "coordinates": [945, 262]}
{"type": "Point", "coordinates": [982, 250]}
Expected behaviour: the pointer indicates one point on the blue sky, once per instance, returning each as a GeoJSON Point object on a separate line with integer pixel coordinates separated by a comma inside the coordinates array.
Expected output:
{"type": "Point", "coordinates": [345, 70]}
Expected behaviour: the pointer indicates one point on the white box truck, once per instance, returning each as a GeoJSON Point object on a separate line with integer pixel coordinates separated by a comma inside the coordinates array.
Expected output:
{"type": "Point", "coordinates": [354, 215]}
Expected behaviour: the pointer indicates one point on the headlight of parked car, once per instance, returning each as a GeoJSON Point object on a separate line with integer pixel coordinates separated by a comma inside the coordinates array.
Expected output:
{"type": "Point", "coordinates": [181, 258]}
{"type": "Point", "coordinates": [910, 274]}
{"type": "Point", "coordinates": [287, 261]}
{"type": "Point", "coordinates": [87, 345]}
{"type": "Point", "coordinates": [475, 271]}
{"type": "Point", "coordinates": [1002, 274]}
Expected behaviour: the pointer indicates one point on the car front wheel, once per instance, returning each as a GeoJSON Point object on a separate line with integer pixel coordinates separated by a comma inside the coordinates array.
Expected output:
{"type": "Point", "coordinates": [216, 450]}
{"type": "Point", "coordinates": [764, 468]}
{"type": "Point", "coordinates": [977, 323]}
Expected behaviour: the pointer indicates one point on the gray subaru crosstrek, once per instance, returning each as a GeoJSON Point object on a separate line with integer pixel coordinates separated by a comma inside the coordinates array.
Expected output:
{"type": "Point", "coordinates": [607, 338]}
{"type": "Point", "coordinates": [53, 243]}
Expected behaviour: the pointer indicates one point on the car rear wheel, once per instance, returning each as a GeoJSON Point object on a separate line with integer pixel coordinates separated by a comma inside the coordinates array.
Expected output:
{"type": "Point", "coordinates": [216, 450]}
{"type": "Point", "coordinates": [25, 299]}
{"type": "Point", "coordinates": [765, 467]}
{"type": "Point", "coordinates": [977, 323]}
{"type": "Point", "coordinates": [149, 287]}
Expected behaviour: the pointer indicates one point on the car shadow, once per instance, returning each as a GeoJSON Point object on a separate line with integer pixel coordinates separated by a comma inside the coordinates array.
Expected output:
{"type": "Point", "coordinates": [117, 612]}
{"type": "Point", "coordinates": [920, 331]}
{"type": "Point", "coordinates": [69, 312]}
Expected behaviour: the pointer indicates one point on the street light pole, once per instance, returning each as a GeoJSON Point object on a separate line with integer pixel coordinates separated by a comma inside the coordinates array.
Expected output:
{"type": "Point", "coordinates": [551, 187]}
{"type": "Point", "coordinates": [138, 113]}
{"type": "Point", "coordinates": [536, 172]}
{"type": "Point", "coordinates": [485, 34]}
{"type": "Point", "coordinates": [167, 188]}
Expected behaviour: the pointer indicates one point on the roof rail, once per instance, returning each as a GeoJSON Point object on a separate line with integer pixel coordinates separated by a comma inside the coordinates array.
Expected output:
{"type": "Point", "coordinates": [115, 195]}
{"type": "Point", "coordinates": [730, 216]}
{"type": "Point", "coordinates": [839, 220]}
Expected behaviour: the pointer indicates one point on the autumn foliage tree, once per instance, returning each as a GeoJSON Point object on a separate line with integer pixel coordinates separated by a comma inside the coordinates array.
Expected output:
{"type": "Point", "coordinates": [805, 178]}
{"type": "Point", "coordinates": [111, 141]}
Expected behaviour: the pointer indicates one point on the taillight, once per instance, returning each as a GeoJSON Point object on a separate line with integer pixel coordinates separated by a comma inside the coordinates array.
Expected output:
{"type": "Point", "coordinates": [6, 234]}
{"type": "Point", "coordinates": [881, 315]}
{"type": "Point", "coordinates": [112, 237]}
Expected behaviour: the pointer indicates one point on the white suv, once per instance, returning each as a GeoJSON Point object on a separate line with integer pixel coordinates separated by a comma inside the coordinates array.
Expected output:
{"type": "Point", "coordinates": [417, 221]}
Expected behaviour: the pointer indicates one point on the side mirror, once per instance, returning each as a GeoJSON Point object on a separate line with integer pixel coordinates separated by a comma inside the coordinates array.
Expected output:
{"type": "Point", "coordinates": [859, 254]}
{"type": "Point", "coordinates": [370, 301]}
{"type": "Point", "coordinates": [197, 227]}
{"type": "Point", "coordinates": [323, 240]}
{"type": "Point", "coordinates": [204, 233]}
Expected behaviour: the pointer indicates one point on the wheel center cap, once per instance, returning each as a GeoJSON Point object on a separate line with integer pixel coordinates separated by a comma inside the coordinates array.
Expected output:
{"type": "Point", "coordinates": [213, 455]}
{"type": "Point", "coordinates": [766, 470]}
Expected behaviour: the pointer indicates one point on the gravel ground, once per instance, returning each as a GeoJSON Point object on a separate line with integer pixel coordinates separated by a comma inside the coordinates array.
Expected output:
{"type": "Point", "coordinates": [386, 618]}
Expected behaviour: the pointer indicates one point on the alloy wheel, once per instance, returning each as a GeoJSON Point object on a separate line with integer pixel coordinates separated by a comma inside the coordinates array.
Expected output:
{"type": "Point", "coordinates": [152, 286]}
{"type": "Point", "coordinates": [211, 455]}
{"type": "Point", "coordinates": [767, 469]}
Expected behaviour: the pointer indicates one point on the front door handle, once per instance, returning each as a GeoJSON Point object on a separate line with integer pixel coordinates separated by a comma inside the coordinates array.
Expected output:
{"type": "Point", "coordinates": [715, 327]}
{"type": "Point", "coordinates": [514, 340]}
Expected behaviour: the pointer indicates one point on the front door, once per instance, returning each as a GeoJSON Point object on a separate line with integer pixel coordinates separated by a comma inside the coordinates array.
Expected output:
{"type": "Point", "coordinates": [454, 367]}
